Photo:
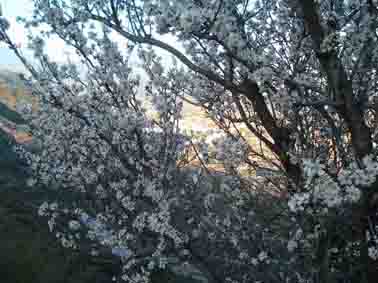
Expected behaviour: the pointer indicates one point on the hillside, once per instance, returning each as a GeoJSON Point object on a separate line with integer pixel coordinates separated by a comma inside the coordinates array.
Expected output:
{"type": "Point", "coordinates": [14, 94]}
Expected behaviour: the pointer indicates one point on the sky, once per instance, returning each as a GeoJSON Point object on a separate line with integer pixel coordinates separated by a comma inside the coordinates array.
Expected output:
{"type": "Point", "coordinates": [55, 48]}
{"type": "Point", "coordinates": [11, 9]}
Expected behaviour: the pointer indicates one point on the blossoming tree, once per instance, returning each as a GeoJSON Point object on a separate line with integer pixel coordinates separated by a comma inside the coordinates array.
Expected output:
{"type": "Point", "coordinates": [299, 75]}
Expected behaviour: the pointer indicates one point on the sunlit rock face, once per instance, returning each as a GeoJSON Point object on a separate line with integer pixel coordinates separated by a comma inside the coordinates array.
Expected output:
{"type": "Point", "coordinates": [14, 94]}
{"type": "Point", "coordinates": [13, 89]}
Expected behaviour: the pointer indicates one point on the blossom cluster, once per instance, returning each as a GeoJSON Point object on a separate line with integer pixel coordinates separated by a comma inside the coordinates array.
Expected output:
{"type": "Point", "coordinates": [254, 64]}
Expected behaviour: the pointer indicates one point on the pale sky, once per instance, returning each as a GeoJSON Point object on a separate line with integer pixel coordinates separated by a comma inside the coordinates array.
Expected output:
{"type": "Point", "coordinates": [11, 9]}
{"type": "Point", "coordinates": [55, 48]}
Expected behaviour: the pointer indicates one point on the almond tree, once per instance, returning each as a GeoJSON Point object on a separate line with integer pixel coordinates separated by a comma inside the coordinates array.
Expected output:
{"type": "Point", "coordinates": [298, 75]}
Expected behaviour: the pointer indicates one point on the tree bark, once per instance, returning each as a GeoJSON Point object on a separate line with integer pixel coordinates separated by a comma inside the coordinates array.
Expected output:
{"type": "Point", "coordinates": [353, 115]}
{"type": "Point", "coordinates": [280, 135]}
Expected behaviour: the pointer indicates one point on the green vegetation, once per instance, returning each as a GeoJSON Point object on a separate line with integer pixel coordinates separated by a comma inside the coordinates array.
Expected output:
{"type": "Point", "coordinates": [29, 253]}
{"type": "Point", "coordinates": [10, 115]}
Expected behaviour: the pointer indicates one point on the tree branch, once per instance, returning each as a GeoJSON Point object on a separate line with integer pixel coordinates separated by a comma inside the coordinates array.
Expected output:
{"type": "Point", "coordinates": [339, 83]}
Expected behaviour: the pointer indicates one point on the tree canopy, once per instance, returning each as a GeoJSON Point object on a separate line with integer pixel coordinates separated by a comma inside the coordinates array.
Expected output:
{"type": "Point", "coordinates": [301, 76]}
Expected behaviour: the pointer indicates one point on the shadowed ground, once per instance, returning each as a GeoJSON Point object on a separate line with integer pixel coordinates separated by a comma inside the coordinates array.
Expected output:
{"type": "Point", "coordinates": [29, 253]}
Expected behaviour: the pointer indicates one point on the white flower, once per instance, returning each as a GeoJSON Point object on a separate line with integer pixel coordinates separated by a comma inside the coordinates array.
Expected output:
{"type": "Point", "coordinates": [373, 253]}
{"type": "Point", "coordinates": [94, 252]}
{"type": "Point", "coordinates": [31, 182]}
{"type": "Point", "coordinates": [151, 265]}
{"type": "Point", "coordinates": [51, 224]}
{"type": "Point", "coordinates": [291, 245]}
{"type": "Point", "coordinates": [243, 255]}
{"type": "Point", "coordinates": [42, 211]}
{"type": "Point", "coordinates": [298, 201]}
{"type": "Point", "coordinates": [163, 261]}
{"type": "Point", "coordinates": [262, 256]}
{"type": "Point", "coordinates": [74, 225]}
{"type": "Point", "coordinates": [53, 206]}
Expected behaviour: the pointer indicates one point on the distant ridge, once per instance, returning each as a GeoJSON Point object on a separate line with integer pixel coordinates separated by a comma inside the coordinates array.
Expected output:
{"type": "Point", "coordinates": [15, 68]}
{"type": "Point", "coordinates": [12, 79]}
{"type": "Point", "coordinates": [14, 92]}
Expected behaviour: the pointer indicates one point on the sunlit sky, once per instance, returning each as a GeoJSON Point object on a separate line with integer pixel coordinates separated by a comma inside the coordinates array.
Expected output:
{"type": "Point", "coordinates": [11, 9]}
{"type": "Point", "coordinates": [55, 48]}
